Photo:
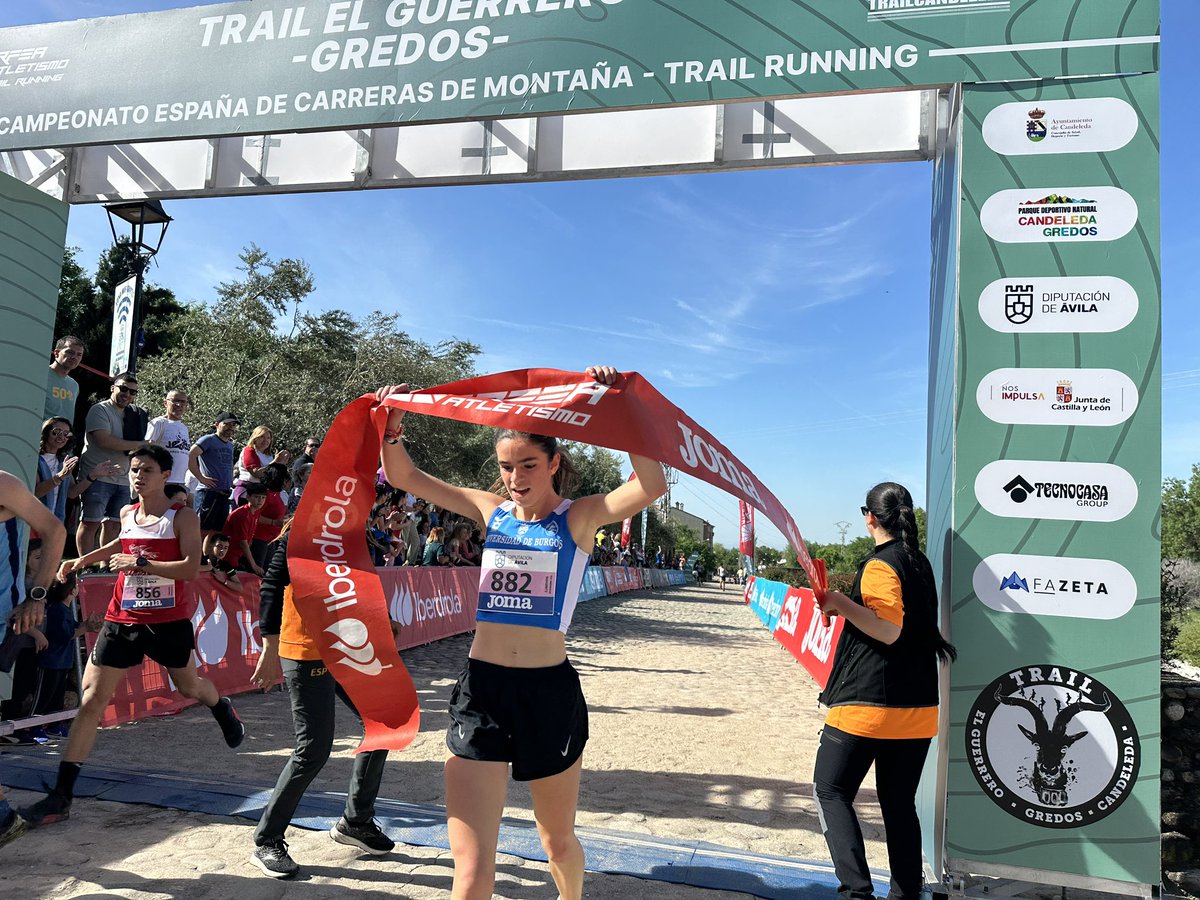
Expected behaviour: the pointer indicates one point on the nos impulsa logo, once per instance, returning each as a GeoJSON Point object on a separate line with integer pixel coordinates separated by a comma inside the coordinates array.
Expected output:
{"type": "Point", "coordinates": [1052, 746]}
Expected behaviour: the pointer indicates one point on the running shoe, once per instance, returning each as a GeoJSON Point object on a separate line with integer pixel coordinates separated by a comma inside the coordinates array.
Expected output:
{"type": "Point", "coordinates": [368, 836]}
{"type": "Point", "coordinates": [231, 725]}
{"type": "Point", "coordinates": [58, 730]}
{"type": "Point", "coordinates": [54, 807]}
{"type": "Point", "coordinates": [273, 858]}
{"type": "Point", "coordinates": [13, 829]}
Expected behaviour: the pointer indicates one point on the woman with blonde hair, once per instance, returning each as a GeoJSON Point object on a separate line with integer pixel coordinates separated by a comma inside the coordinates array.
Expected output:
{"type": "Point", "coordinates": [255, 458]}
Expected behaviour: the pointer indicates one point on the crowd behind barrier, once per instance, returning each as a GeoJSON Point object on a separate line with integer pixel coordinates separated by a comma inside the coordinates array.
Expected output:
{"type": "Point", "coordinates": [429, 603]}
{"type": "Point", "coordinates": [794, 620]}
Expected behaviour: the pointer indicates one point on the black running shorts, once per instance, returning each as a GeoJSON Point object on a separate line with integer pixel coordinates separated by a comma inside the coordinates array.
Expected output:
{"type": "Point", "coordinates": [121, 646]}
{"type": "Point", "coordinates": [535, 719]}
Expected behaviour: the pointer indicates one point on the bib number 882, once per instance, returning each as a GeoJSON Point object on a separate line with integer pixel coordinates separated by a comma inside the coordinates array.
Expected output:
{"type": "Point", "coordinates": [512, 582]}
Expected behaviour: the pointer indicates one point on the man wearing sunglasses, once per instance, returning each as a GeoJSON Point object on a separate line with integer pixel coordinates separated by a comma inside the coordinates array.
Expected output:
{"type": "Point", "coordinates": [106, 494]}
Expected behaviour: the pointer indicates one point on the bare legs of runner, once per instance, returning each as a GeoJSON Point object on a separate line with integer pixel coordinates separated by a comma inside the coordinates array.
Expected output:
{"type": "Point", "coordinates": [475, 797]}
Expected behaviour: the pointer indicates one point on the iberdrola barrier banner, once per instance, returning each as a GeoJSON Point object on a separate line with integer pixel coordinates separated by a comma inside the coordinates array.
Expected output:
{"type": "Point", "coordinates": [336, 590]}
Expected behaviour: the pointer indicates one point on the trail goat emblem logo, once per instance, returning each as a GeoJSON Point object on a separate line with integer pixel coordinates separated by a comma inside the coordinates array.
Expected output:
{"type": "Point", "coordinates": [1052, 746]}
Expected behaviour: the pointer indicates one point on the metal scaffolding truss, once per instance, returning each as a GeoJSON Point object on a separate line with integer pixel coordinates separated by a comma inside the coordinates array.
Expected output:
{"type": "Point", "coordinates": [807, 131]}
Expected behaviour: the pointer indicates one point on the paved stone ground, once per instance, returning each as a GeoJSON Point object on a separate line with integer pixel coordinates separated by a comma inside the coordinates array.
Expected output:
{"type": "Point", "coordinates": [702, 729]}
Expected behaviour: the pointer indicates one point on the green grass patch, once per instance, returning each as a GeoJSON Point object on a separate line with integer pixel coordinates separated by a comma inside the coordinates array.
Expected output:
{"type": "Point", "coordinates": [1188, 642]}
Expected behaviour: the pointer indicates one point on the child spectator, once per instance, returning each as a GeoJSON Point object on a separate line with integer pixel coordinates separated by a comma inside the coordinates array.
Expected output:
{"type": "Point", "coordinates": [272, 515]}
{"type": "Point", "coordinates": [57, 661]}
{"type": "Point", "coordinates": [241, 525]}
{"type": "Point", "coordinates": [216, 547]}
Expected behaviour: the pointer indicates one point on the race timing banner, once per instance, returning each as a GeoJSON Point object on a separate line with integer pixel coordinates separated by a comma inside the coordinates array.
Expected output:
{"type": "Point", "coordinates": [297, 65]}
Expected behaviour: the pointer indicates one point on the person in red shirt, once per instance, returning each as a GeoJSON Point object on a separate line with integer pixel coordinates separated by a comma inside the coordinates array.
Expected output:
{"type": "Point", "coordinates": [155, 555]}
{"type": "Point", "coordinates": [272, 515]}
{"type": "Point", "coordinates": [241, 525]}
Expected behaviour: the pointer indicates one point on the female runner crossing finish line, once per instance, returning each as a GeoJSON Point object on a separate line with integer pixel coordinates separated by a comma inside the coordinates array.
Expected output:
{"type": "Point", "coordinates": [518, 701]}
{"type": "Point", "coordinates": [155, 555]}
{"type": "Point", "coordinates": [339, 596]}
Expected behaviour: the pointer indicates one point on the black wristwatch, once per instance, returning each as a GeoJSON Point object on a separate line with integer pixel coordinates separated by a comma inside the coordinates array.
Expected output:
{"type": "Point", "coordinates": [37, 594]}
{"type": "Point", "coordinates": [141, 562]}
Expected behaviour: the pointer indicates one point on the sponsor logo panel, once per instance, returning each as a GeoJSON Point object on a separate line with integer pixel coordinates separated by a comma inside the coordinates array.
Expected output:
{"type": "Point", "coordinates": [1045, 489]}
{"type": "Point", "coordinates": [1055, 586]}
{"type": "Point", "coordinates": [1094, 125]}
{"type": "Point", "coordinates": [1036, 396]}
{"type": "Point", "coordinates": [1052, 746]}
{"type": "Point", "coordinates": [1058, 215]}
{"type": "Point", "coordinates": [1079, 304]}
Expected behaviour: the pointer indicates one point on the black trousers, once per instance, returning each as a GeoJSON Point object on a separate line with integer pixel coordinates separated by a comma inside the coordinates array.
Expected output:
{"type": "Point", "coordinates": [842, 763]}
{"type": "Point", "coordinates": [312, 690]}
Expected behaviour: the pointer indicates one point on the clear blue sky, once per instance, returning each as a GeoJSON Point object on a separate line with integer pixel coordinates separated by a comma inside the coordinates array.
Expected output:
{"type": "Point", "coordinates": [787, 311]}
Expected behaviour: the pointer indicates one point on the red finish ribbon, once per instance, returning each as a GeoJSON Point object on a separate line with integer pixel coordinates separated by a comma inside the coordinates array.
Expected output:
{"type": "Point", "coordinates": [338, 594]}
{"type": "Point", "coordinates": [334, 584]}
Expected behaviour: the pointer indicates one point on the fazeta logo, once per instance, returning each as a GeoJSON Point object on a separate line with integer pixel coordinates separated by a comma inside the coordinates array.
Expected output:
{"type": "Point", "coordinates": [538, 403]}
{"type": "Point", "coordinates": [1072, 587]}
{"type": "Point", "coordinates": [1049, 489]}
{"type": "Point", "coordinates": [1052, 746]}
{"type": "Point", "coordinates": [350, 635]}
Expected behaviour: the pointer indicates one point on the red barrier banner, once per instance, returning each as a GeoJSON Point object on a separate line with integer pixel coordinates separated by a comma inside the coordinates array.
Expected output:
{"type": "Point", "coordinates": [228, 645]}
{"type": "Point", "coordinates": [807, 634]}
{"type": "Point", "coordinates": [430, 604]}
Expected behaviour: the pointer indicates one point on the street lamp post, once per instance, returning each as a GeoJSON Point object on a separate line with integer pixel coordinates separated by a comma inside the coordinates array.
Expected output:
{"type": "Point", "coordinates": [137, 214]}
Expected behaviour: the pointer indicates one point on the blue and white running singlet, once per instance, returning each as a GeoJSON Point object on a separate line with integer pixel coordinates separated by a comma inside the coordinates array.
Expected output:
{"type": "Point", "coordinates": [531, 571]}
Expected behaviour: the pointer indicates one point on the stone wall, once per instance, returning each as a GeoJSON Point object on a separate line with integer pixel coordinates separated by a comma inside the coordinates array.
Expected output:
{"type": "Point", "coordinates": [1181, 784]}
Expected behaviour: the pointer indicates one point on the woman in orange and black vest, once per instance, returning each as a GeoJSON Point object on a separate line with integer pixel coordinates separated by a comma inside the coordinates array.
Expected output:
{"type": "Point", "coordinates": [882, 696]}
{"type": "Point", "coordinates": [312, 689]}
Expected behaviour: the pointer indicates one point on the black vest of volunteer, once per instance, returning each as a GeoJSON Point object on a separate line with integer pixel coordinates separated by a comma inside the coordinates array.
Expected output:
{"type": "Point", "coordinates": [904, 674]}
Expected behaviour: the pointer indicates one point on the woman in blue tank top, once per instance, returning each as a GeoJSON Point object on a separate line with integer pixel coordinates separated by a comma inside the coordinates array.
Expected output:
{"type": "Point", "coordinates": [518, 700]}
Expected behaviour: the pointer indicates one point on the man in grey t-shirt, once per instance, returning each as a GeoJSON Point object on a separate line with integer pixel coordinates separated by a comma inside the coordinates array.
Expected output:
{"type": "Point", "coordinates": [61, 389]}
{"type": "Point", "coordinates": [106, 494]}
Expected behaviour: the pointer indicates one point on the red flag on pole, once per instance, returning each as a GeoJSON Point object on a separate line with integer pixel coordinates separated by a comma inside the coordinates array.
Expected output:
{"type": "Point", "coordinates": [746, 529]}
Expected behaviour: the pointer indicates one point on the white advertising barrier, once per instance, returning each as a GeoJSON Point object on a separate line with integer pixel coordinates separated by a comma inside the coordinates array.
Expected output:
{"type": "Point", "coordinates": [1036, 305]}
{"type": "Point", "coordinates": [1090, 125]}
{"type": "Point", "coordinates": [1029, 396]}
{"type": "Point", "coordinates": [1054, 586]}
{"type": "Point", "coordinates": [1046, 489]}
{"type": "Point", "coordinates": [1048, 215]}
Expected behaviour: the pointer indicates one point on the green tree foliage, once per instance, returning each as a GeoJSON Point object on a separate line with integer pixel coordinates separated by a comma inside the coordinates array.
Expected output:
{"type": "Point", "coordinates": [1176, 607]}
{"type": "Point", "coordinates": [85, 306]}
{"type": "Point", "coordinates": [255, 351]}
{"type": "Point", "coordinates": [1181, 517]}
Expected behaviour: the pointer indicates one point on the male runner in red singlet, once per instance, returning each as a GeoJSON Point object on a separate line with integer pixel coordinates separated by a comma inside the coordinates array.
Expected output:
{"type": "Point", "coordinates": [156, 553]}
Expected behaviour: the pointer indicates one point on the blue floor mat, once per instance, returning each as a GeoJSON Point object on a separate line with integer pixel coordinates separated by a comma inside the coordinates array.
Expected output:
{"type": "Point", "coordinates": [613, 852]}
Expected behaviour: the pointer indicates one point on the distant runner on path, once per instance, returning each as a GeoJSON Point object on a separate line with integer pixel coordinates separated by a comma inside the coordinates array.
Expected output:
{"type": "Point", "coordinates": [519, 701]}
{"type": "Point", "coordinates": [155, 555]}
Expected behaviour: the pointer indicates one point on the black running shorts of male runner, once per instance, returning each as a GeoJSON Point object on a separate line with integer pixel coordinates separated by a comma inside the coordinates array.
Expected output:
{"type": "Point", "coordinates": [122, 646]}
{"type": "Point", "coordinates": [535, 719]}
